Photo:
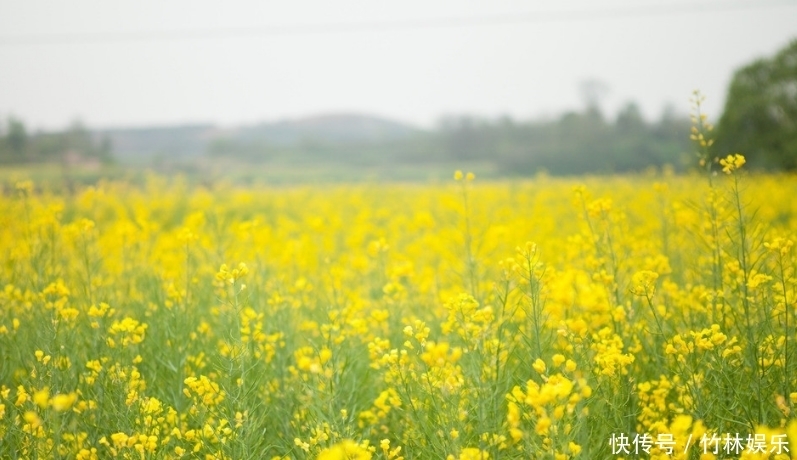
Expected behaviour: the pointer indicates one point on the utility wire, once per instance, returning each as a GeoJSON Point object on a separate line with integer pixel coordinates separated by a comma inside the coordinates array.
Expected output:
{"type": "Point", "coordinates": [537, 17]}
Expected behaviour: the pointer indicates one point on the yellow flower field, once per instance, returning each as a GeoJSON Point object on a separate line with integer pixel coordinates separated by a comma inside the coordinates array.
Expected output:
{"type": "Point", "coordinates": [548, 318]}
{"type": "Point", "coordinates": [626, 317]}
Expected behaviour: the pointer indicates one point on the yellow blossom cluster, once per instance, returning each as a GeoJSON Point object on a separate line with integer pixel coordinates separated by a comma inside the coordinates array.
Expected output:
{"type": "Point", "coordinates": [732, 163]}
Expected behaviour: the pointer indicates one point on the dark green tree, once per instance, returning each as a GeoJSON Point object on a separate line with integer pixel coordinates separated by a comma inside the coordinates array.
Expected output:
{"type": "Point", "coordinates": [16, 137]}
{"type": "Point", "coordinates": [760, 116]}
{"type": "Point", "coordinates": [630, 120]}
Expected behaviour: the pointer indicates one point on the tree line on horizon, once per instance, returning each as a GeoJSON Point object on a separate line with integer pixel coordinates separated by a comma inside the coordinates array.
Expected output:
{"type": "Point", "coordinates": [577, 142]}
{"type": "Point", "coordinates": [75, 144]}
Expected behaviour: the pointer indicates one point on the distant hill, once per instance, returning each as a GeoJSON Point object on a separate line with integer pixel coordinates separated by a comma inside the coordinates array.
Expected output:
{"type": "Point", "coordinates": [333, 128]}
{"type": "Point", "coordinates": [144, 143]}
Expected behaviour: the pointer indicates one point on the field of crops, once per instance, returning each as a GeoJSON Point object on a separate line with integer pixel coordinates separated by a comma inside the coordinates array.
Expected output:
{"type": "Point", "coordinates": [548, 318]}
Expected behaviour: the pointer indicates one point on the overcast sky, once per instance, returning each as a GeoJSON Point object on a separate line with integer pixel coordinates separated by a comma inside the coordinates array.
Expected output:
{"type": "Point", "coordinates": [142, 62]}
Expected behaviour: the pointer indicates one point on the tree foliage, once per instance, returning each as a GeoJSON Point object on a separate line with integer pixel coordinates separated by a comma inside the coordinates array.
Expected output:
{"type": "Point", "coordinates": [17, 145]}
{"type": "Point", "coordinates": [575, 143]}
{"type": "Point", "coordinates": [760, 116]}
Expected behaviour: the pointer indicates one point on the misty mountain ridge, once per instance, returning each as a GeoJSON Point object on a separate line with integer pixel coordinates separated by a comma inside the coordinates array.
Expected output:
{"type": "Point", "coordinates": [332, 128]}
{"type": "Point", "coordinates": [194, 139]}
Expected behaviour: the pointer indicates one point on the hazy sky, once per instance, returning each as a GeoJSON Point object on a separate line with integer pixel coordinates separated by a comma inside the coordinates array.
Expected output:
{"type": "Point", "coordinates": [142, 62]}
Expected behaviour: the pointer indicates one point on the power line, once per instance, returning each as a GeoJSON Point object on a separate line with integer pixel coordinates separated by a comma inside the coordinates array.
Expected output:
{"type": "Point", "coordinates": [537, 17]}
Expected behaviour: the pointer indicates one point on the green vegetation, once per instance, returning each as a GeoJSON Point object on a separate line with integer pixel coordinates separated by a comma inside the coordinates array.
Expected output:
{"type": "Point", "coordinates": [760, 116]}
{"type": "Point", "coordinates": [73, 147]}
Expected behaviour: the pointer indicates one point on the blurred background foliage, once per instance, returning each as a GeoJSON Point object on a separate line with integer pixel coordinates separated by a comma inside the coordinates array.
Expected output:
{"type": "Point", "coordinates": [760, 116]}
